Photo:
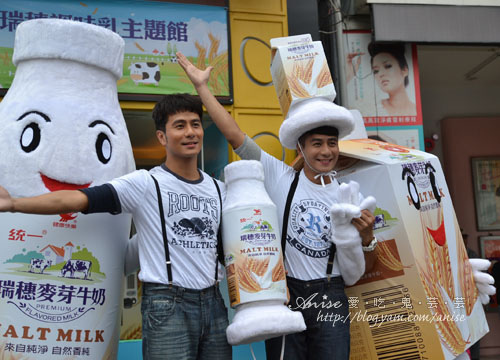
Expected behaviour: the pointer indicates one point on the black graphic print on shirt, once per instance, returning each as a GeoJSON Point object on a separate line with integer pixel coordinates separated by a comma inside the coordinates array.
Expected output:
{"type": "Point", "coordinates": [194, 227]}
{"type": "Point", "coordinates": [195, 220]}
{"type": "Point", "coordinates": [309, 228]}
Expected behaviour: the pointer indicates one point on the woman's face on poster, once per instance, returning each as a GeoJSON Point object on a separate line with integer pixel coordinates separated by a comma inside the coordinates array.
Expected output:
{"type": "Point", "coordinates": [389, 75]}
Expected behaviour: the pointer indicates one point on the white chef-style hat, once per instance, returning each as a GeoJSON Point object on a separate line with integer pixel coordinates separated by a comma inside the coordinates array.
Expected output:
{"type": "Point", "coordinates": [69, 40]}
{"type": "Point", "coordinates": [359, 131]}
{"type": "Point", "coordinates": [311, 113]}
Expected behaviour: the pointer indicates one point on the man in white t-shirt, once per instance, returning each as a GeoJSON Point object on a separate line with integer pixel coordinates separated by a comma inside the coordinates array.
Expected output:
{"type": "Point", "coordinates": [308, 232]}
{"type": "Point", "coordinates": [176, 210]}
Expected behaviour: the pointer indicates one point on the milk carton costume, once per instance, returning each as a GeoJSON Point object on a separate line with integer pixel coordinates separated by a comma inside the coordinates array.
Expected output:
{"type": "Point", "coordinates": [483, 281]}
{"type": "Point", "coordinates": [61, 127]}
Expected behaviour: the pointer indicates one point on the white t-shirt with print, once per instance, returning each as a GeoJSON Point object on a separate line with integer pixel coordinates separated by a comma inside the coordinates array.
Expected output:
{"type": "Point", "coordinates": [309, 229]}
{"type": "Point", "coordinates": [192, 215]}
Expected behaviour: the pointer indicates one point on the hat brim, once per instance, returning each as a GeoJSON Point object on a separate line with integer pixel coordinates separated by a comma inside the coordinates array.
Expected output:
{"type": "Point", "coordinates": [312, 115]}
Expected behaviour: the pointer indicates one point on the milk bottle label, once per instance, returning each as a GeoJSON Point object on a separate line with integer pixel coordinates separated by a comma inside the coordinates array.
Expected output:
{"type": "Point", "coordinates": [252, 249]}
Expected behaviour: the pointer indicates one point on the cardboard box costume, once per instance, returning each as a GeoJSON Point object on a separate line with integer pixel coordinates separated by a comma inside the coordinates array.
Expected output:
{"type": "Point", "coordinates": [61, 127]}
{"type": "Point", "coordinates": [420, 298]}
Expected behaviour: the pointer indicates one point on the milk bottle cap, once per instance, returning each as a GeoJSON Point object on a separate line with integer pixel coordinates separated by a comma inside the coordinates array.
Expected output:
{"type": "Point", "coordinates": [69, 40]}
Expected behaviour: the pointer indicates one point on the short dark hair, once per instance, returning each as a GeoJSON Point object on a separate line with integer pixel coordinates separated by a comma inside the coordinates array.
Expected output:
{"type": "Point", "coordinates": [396, 50]}
{"type": "Point", "coordinates": [173, 104]}
{"type": "Point", "coordinates": [322, 130]}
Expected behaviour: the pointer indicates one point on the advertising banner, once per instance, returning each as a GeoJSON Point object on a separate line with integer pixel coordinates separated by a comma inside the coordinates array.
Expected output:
{"type": "Point", "coordinates": [383, 84]}
{"type": "Point", "coordinates": [153, 32]}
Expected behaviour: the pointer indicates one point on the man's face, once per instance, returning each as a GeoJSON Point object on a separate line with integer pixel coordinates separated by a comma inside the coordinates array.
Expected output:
{"type": "Point", "coordinates": [183, 136]}
{"type": "Point", "coordinates": [321, 151]}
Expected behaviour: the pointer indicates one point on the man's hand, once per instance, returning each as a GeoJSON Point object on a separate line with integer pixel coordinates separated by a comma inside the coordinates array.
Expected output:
{"type": "Point", "coordinates": [6, 203]}
{"type": "Point", "coordinates": [198, 77]}
{"type": "Point", "coordinates": [364, 225]}
{"type": "Point", "coordinates": [222, 119]}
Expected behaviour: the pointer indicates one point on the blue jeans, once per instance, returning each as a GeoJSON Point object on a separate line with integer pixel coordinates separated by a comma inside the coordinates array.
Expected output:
{"type": "Point", "coordinates": [180, 323]}
{"type": "Point", "coordinates": [327, 334]}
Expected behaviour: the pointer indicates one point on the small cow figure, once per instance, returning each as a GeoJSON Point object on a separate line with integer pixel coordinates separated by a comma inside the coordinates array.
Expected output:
{"type": "Point", "coordinates": [145, 73]}
{"type": "Point", "coordinates": [379, 221]}
{"type": "Point", "coordinates": [73, 265]}
{"type": "Point", "coordinates": [40, 264]}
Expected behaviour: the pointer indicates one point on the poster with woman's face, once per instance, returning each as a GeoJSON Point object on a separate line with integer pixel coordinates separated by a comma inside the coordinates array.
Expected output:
{"type": "Point", "coordinates": [382, 83]}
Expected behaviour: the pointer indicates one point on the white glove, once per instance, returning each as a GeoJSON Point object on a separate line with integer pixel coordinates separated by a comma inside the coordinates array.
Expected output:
{"type": "Point", "coordinates": [345, 236]}
{"type": "Point", "coordinates": [484, 281]}
{"type": "Point", "coordinates": [348, 208]}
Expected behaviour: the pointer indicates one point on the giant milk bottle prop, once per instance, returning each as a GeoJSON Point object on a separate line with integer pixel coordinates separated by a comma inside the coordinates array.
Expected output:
{"type": "Point", "coordinates": [61, 127]}
{"type": "Point", "coordinates": [253, 258]}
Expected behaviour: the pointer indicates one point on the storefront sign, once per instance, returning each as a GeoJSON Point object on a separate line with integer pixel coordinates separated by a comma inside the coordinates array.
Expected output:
{"type": "Point", "coordinates": [153, 32]}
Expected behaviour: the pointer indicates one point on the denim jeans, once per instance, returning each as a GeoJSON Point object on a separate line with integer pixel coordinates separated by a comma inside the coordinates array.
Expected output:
{"type": "Point", "coordinates": [180, 323]}
{"type": "Point", "coordinates": [327, 334]}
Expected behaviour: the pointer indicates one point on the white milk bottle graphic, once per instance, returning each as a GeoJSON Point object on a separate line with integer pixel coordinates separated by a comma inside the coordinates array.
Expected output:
{"type": "Point", "coordinates": [61, 127]}
{"type": "Point", "coordinates": [253, 258]}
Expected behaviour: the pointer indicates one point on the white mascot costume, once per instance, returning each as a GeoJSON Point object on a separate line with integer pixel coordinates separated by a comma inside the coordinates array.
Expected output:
{"type": "Point", "coordinates": [61, 127]}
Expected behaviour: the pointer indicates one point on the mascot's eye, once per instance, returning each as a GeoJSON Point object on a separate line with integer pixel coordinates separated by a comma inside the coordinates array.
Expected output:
{"type": "Point", "coordinates": [103, 148]}
{"type": "Point", "coordinates": [435, 186]}
{"type": "Point", "coordinates": [412, 187]}
{"type": "Point", "coordinates": [30, 138]}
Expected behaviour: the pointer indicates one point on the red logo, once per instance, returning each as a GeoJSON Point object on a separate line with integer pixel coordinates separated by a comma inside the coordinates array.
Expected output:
{"type": "Point", "coordinates": [67, 217]}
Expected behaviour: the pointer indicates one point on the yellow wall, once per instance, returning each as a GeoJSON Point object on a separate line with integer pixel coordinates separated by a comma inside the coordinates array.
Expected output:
{"type": "Point", "coordinates": [256, 108]}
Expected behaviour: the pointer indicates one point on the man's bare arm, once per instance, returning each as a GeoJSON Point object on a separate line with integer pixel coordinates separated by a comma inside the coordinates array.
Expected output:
{"type": "Point", "coordinates": [222, 119]}
{"type": "Point", "coordinates": [57, 202]}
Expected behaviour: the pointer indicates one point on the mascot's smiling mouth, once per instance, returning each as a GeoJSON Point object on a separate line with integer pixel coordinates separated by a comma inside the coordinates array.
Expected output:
{"type": "Point", "coordinates": [54, 185]}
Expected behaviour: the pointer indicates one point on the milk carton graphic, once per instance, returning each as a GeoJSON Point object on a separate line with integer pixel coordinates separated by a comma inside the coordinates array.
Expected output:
{"type": "Point", "coordinates": [61, 127]}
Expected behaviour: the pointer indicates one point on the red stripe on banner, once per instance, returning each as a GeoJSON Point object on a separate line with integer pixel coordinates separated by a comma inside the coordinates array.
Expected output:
{"type": "Point", "coordinates": [416, 78]}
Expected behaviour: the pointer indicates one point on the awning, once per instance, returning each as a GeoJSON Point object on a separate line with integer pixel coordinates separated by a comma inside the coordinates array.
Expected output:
{"type": "Point", "coordinates": [436, 23]}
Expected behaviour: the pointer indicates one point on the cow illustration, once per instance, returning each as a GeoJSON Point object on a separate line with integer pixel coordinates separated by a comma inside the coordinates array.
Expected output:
{"type": "Point", "coordinates": [73, 265]}
{"type": "Point", "coordinates": [145, 73]}
{"type": "Point", "coordinates": [379, 221]}
{"type": "Point", "coordinates": [39, 265]}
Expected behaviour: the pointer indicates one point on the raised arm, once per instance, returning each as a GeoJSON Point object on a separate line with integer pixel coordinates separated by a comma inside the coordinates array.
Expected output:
{"type": "Point", "coordinates": [57, 202]}
{"type": "Point", "coordinates": [222, 119]}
